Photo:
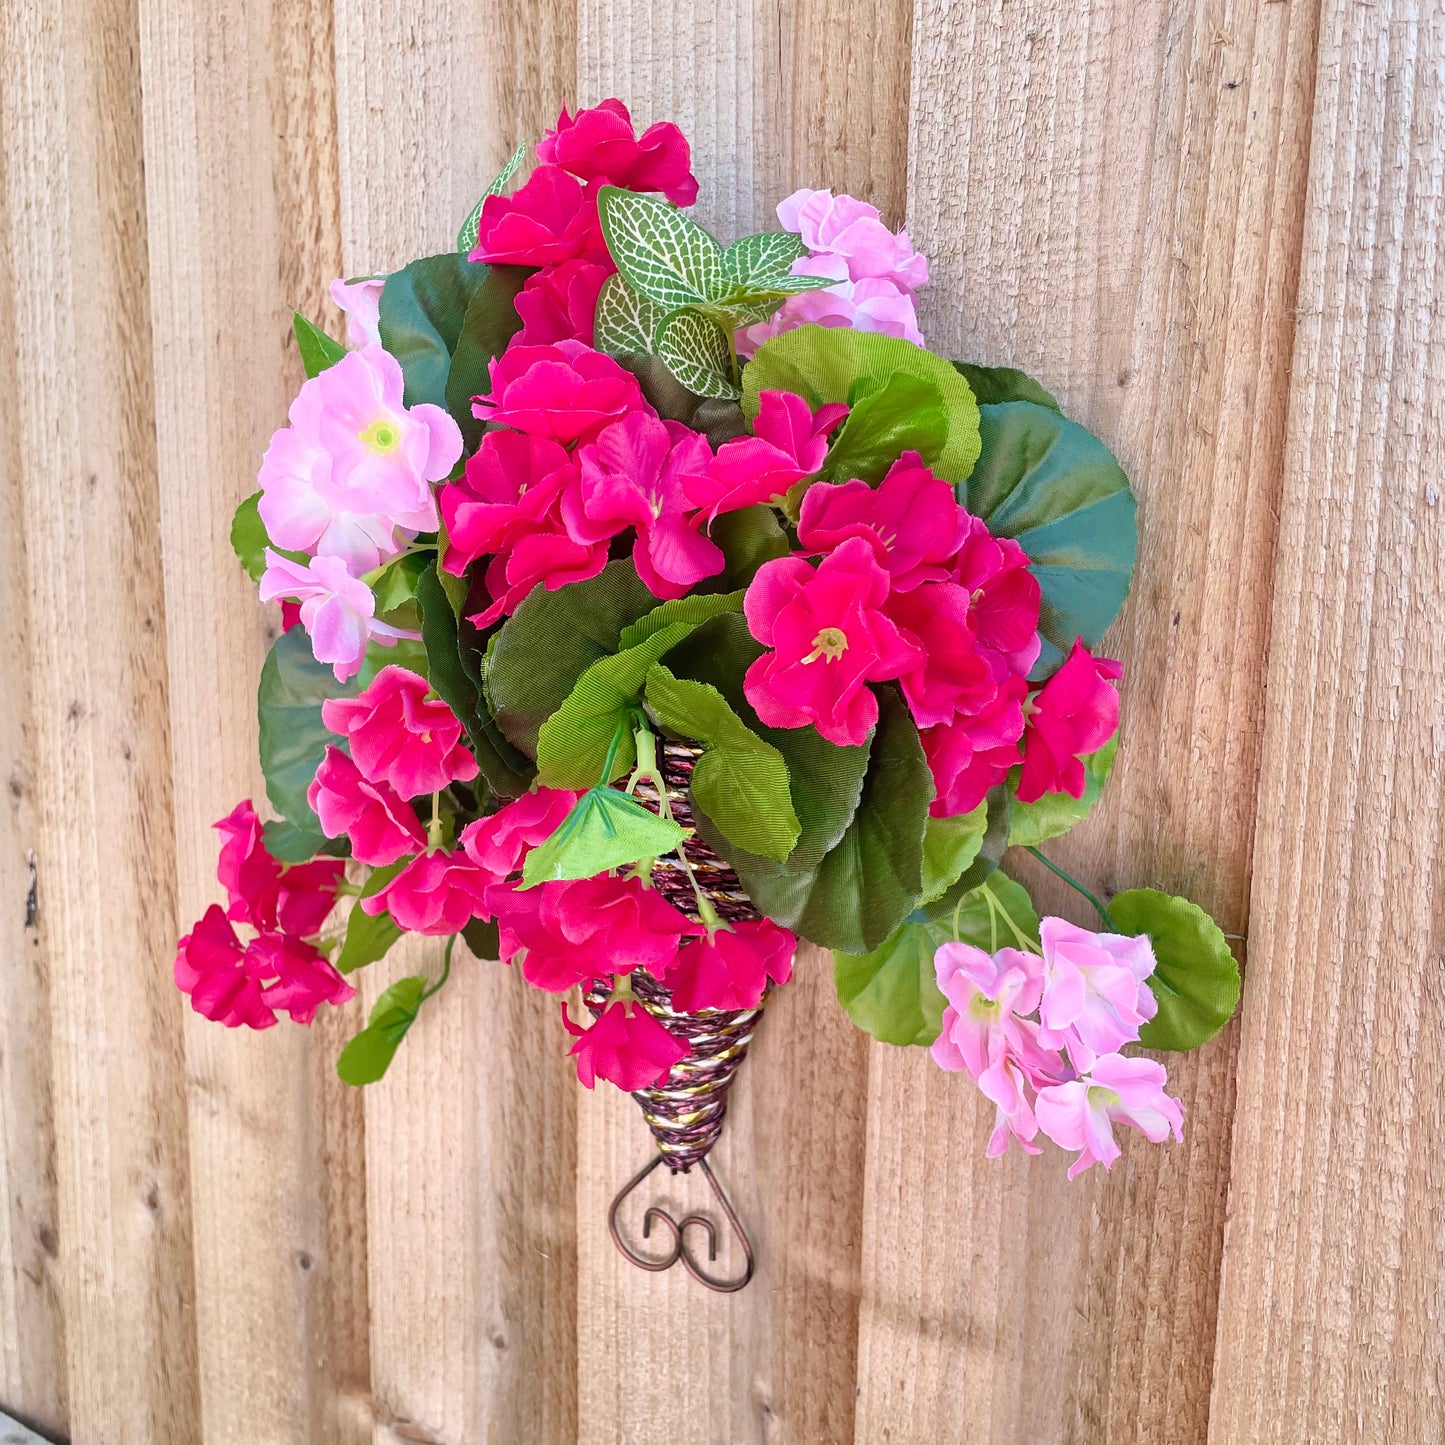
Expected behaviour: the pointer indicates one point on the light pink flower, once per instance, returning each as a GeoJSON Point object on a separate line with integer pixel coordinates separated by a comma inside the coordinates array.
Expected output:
{"type": "Point", "coordinates": [337, 610]}
{"type": "Point", "coordinates": [626, 1046]}
{"type": "Point", "coordinates": [1080, 1114]}
{"type": "Point", "coordinates": [1005, 599]}
{"type": "Point", "coordinates": [564, 392]}
{"type": "Point", "coordinates": [360, 301]}
{"type": "Point", "coordinates": [499, 844]}
{"type": "Point", "coordinates": [436, 893]}
{"type": "Point", "coordinates": [952, 678]}
{"type": "Point", "coordinates": [972, 754]}
{"type": "Point", "coordinates": [872, 304]}
{"type": "Point", "coordinates": [830, 638]}
{"type": "Point", "coordinates": [599, 144]}
{"type": "Point", "coordinates": [380, 826]}
{"type": "Point", "coordinates": [854, 231]}
{"type": "Point", "coordinates": [1075, 712]}
{"type": "Point", "coordinates": [350, 476]}
{"type": "Point", "coordinates": [636, 474]}
{"type": "Point", "coordinates": [789, 443]}
{"type": "Point", "coordinates": [1096, 996]}
{"type": "Point", "coordinates": [400, 735]}
{"type": "Point", "coordinates": [731, 968]}
{"type": "Point", "coordinates": [559, 303]}
{"type": "Point", "coordinates": [550, 219]}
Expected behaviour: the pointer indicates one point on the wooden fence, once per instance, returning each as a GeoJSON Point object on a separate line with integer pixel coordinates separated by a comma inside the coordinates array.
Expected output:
{"type": "Point", "coordinates": [1213, 228]}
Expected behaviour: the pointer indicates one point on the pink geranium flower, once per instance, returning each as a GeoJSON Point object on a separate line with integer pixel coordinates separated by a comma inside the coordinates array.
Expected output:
{"type": "Point", "coordinates": [380, 826]}
{"type": "Point", "coordinates": [564, 392]}
{"type": "Point", "coordinates": [730, 969]}
{"type": "Point", "coordinates": [911, 519]}
{"type": "Point", "coordinates": [1080, 1114]}
{"type": "Point", "coordinates": [297, 977]}
{"type": "Point", "coordinates": [360, 301]}
{"type": "Point", "coordinates": [549, 220]}
{"type": "Point", "coordinates": [1006, 597]}
{"type": "Point", "coordinates": [829, 638]}
{"type": "Point", "coordinates": [599, 144]}
{"type": "Point", "coordinates": [626, 1046]}
{"type": "Point", "coordinates": [529, 931]}
{"type": "Point", "coordinates": [973, 753]}
{"type": "Point", "coordinates": [789, 443]}
{"type": "Point", "coordinates": [853, 231]}
{"type": "Point", "coordinates": [952, 678]}
{"type": "Point", "coordinates": [636, 473]}
{"type": "Point", "coordinates": [873, 304]}
{"type": "Point", "coordinates": [1096, 995]}
{"type": "Point", "coordinates": [499, 844]}
{"type": "Point", "coordinates": [1075, 712]}
{"type": "Point", "coordinates": [350, 476]}
{"type": "Point", "coordinates": [436, 893]}
{"type": "Point", "coordinates": [549, 559]}
{"type": "Point", "coordinates": [295, 898]}
{"type": "Point", "coordinates": [402, 736]}
{"type": "Point", "coordinates": [559, 303]}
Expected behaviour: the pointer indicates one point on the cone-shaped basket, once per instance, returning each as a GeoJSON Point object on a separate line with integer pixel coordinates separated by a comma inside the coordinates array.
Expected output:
{"type": "Point", "coordinates": [686, 1110]}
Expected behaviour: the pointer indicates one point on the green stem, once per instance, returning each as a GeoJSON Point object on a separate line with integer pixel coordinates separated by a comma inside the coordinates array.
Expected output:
{"type": "Point", "coordinates": [434, 828]}
{"type": "Point", "coordinates": [1076, 886]}
{"type": "Point", "coordinates": [1032, 945]}
{"type": "Point", "coordinates": [445, 974]}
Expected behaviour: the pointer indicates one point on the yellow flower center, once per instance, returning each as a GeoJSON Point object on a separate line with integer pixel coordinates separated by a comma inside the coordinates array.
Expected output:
{"type": "Point", "coordinates": [830, 644]}
{"type": "Point", "coordinates": [381, 437]}
{"type": "Point", "coordinates": [983, 1008]}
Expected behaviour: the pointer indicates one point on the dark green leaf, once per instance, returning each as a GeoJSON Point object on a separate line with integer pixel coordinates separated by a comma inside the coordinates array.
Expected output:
{"type": "Point", "coordinates": [993, 384]}
{"type": "Point", "coordinates": [694, 609]}
{"type": "Point", "coordinates": [1033, 823]}
{"type": "Point", "coordinates": [748, 538]}
{"type": "Point", "coordinates": [1058, 492]}
{"type": "Point", "coordinates": [318, 350]}
{"type": "Point", "coordinates": [997, 914]}
{"type": "Point", "coordinates": [606, 829]}
{"type": "Point", "coordinates": [368, 1056]}
{"type": "Point", "coordinates": [905, 414]}
{"type": "Point", "coordinates": [719, 421]}
{"type": "Point", "coordinates": [482, 938]}
{"type": "Point", "coordinates": [299, 842]}
{"type": "Point", "coordinates": [490, 323]}
{"type": "Point", "coordinates": [248, 537]}
{"type": "Point", "coordinates": [950, 846]}
{"type": "Point", "coordinates": [892, 992]}
{"type": "Point", "coordinates": [1195, 979]}
{"type": "Point", "coordinates": [368, 938]}
{"type": "Point", "coordinates": [423, 308]}
{"type": "Point", "coordinates": [398, 582]}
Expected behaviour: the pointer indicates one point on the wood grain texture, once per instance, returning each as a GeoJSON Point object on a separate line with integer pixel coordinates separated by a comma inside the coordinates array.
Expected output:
{"type": "Point", "coordinates": [470, 1174]}
{"type": "Point", "coordinates": [1335, 1251]}
{"type": "Point", "coordinates": [1112, 202]}
{"type": "Point", "coordinates": [102, 823]}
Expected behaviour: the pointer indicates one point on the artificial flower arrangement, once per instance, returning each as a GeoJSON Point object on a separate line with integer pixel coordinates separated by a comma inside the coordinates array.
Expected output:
{"type": "Point", "coordinates": [651, 604]}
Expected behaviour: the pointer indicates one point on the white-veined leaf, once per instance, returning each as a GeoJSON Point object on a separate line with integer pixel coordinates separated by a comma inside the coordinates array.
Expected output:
{"type": "Point", "coordinates": [662, 254]}
{"type": "Point", "coordinates": [467, 236]}
{"type": "Point", "coordinates": [695, 349]}
{"type": "Point", "coordinates": [626, 322]}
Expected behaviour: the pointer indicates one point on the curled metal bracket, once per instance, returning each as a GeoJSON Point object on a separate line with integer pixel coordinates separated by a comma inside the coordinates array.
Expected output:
{"type": "Point", "coordinates": [680, 1249]}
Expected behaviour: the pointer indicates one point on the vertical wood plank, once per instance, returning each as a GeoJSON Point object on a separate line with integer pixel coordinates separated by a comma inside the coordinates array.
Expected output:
{"type": "Point", "coordinates": [1113, 202]}
{"type": "Point", "coordinates": [771, 98]}
{"type": "Point", "coordinates": [1331, 1306]}
{"type": "Point", "coordinates": [470, 1173]}
{"type": "Point", "coordinates": [85, 494]}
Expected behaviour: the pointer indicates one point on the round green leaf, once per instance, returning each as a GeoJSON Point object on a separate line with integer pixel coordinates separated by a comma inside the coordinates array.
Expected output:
{"type": "Point", "coordinates": [997, 914]}
{"type": "Point", "coordinates": [1195, 979]}
{"type": "Point", "coordinates": [892, 992]}
{"type": "Point", "coordinates": [1033, 823]}
{"type": "Point", "coordinates": [949, 847]}
{"type": "Point", "coordinates": [1003, 383]}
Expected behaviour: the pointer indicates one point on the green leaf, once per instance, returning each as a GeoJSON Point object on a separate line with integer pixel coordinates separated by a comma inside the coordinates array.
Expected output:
{"type": "Point", "coordinates": [483, 938]}
{"type": "Point", "coordinates": [397, 584]}
{"type": "Point", "coordinates": [367, 938]}
{"type": "Point", "coordinates": [990, 853]}
{"type": "Point", "coordinates": [573, 743]}
{"type": "Point", "coordinates": [606, 829]}
{"type": "Point", "coordinates": [748, 538]}
{"type": "Point", "coordinates": [740, 782]}
{"type": "Point", "coordinates": [1058, 492]}
{"type": "Point", "coordinates": [299, 842]}
{"type": "Point", "coordinates": [660, 252]}
{"type": "Point", "coordinates": [318, 350]}
{"type": "Point", "coordinates": [248, 537]}
{"type": "Point", "coordinates": [423, 309]}
{"type": "Point", "coordinates": [625, 321]}
{"type": "Point", "coordinates": [368, 1056]}
{"type": "Point", "coordinates": [695, 608]}
{"type": "Point", "coordinates": [905, 414]}
{"type": "Point", "coordinates": [551, 640]}
{"type": "Point", "coordinates": [997, 914]}
{"type": "Point", "coordinates": [830, 364]}
{"type": "Point", "coordinates": [993, 384]}
{"type": "Point", "coordinates": [892, 992]}
{"type": "Point", "coordinates": [695, 349]}
{"type": "Point", "coordinates": [1033, 823]}
{"type": "Point", "coordinates": [765, 257]}
{"type": "Point", "coordinates": [490, 322]}
{"type": "Point", "coordinates": [949, 847]}
{"type": "Point", "coordinates": [1195, 979]}
{"type": "Point", "coordinates": [467, 236]}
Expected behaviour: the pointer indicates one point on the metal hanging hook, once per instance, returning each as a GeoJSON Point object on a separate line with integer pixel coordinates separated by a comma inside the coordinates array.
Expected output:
{"type": "Point", "coordinates": [678, 1229]}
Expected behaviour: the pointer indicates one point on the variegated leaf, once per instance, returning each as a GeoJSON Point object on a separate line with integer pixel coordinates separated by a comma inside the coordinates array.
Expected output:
{"type": "Point", "coordinates": [763, 257]}
{"type": "Point", "coordinates": [467, 236]}
{"type": "Point", "coordinates": [625, 321]}
{"type": "Point", "coordinates": [695, 350]}
{"type": "Point", "coordinates": [663, 255]}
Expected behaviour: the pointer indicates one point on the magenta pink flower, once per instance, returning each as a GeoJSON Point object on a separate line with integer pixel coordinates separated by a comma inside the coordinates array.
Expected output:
{"type": "Point", "coordinates": [549, 220]}
{"type": "Point", "coordinates": [637, 473]}
{"type": "Point", "coordinates": [436, 893]}
{"type": "Point", "coordinates": [565, 392]}
{"type": "Point", "coordinates": [789, 442]}
{"type": "Point", "coordinates": [1080, 1113]}
{"type": "Point", "coordinates": [380, 826]}
{"type": "Point", "coordinates": [295, 898]}
{"type": "Point", "coordinates": [621, 924]}
{"type": "Point", "coordinates": [545, 559]}
{"type": "Point", "coordinates": [731, 968]}
{"type": "Point", "coordinates": [499, 844]}
{"type": "Point", "coordinates": [360, 301]}
{"type": "Point", "coordinates": [626, 1046]}
{"type": "Point", "coordinates": [830, 638]}
{"type": "Point", "coordinates": [911, 519]}
{"type": "Point", "coordinates": [297, 976]}
{"type": "Point", "coordinates": [1096, 995]}
{"type": "Point", "coordinates": [350, 476]}
{"type": "Point", "coordinates": [972, 754]}
{"type": "Point", "coordinates": [599, 144]}
{"type": "Point", "coordinates": [400, 735]}
{"type": "Point", "coordinates": [1005, 599]}
{"type": "Point", "coordinates": [952, 679]}
{"type": "Point", "coordinates": [559, 303]}
{"type": "Point", "coordinates": [1075, 712]}
{"type": "Point", "coordinates": [530, 935]}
